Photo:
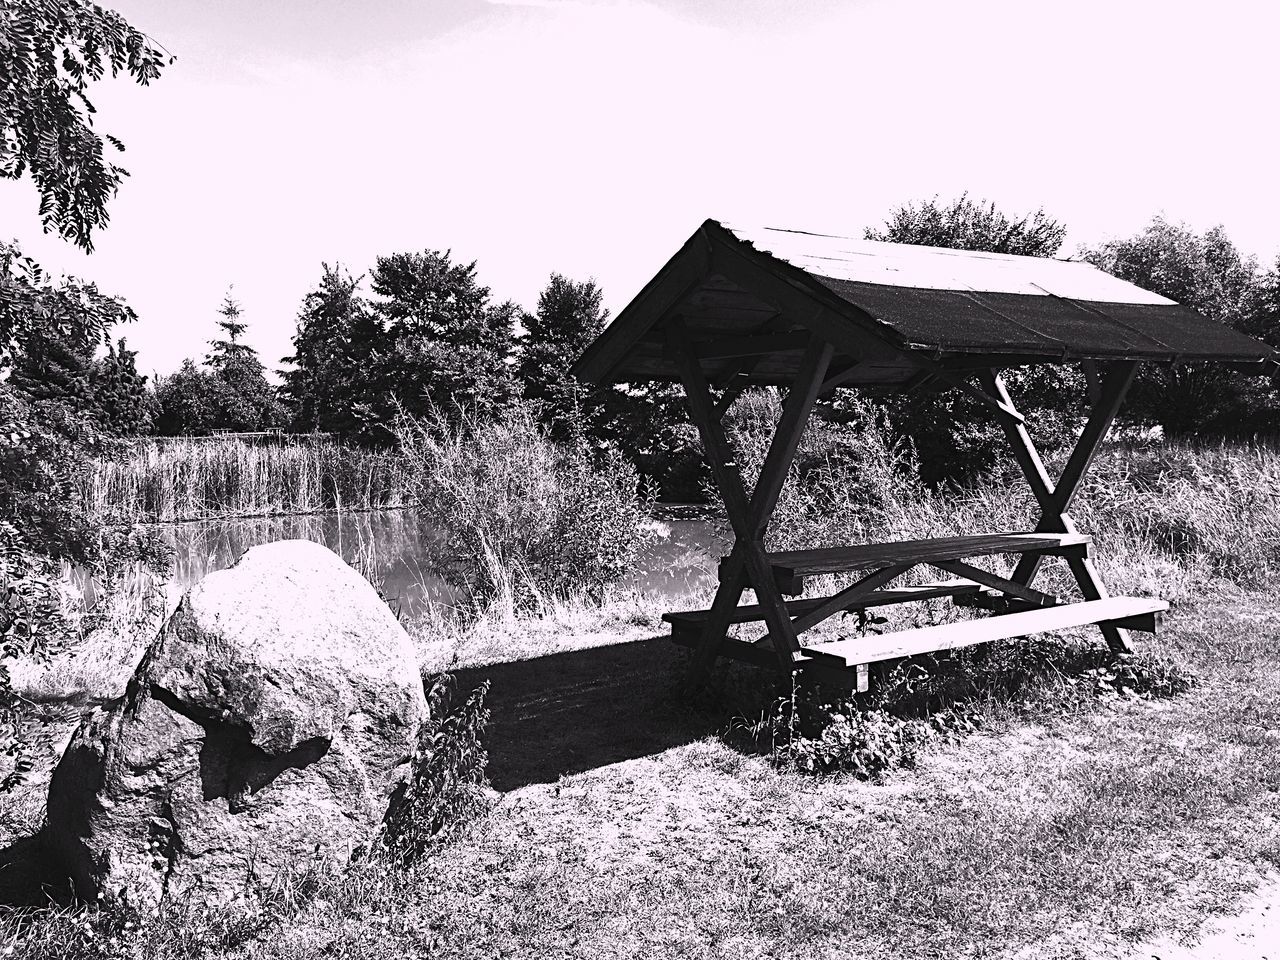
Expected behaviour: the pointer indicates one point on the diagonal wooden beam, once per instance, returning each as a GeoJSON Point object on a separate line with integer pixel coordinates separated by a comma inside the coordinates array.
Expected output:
{"type": "Point", "coordinates": [749, 518]}
{"type": "Point", "coordinates": [1047, 495]}
{"type": "Point", "coordinates": [868, 584]}
{"type": "Point", "coordinates": [996, 582]}
{"type": "Point", "coordinates": [1112, 388]}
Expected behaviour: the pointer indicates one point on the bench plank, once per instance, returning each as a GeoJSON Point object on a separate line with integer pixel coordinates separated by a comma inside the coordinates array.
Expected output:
{"type": "Point", "coordinates": [797, 608]}
{"type": "Point", "coordinates": [948, 636]}
{"type": "Point", "coordinates": [802, 563]}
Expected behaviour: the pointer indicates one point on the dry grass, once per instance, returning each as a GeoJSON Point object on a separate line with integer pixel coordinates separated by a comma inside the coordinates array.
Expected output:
{"type": "Point", "coordinates": [202, 479]}
{"type": "Point", "coordinates": [1046, 837]}
{"type": "Point", "coordinates": [1071, 827]}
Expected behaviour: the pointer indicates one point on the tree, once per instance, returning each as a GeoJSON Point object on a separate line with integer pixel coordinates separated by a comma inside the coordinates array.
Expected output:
{"type": "Point", "coordinates": [338, 365]}
{"type": "Point", "coordinates": [188, 402]}
{"type": "Point", "coordinates": [50, 368]}
{"type": "Point", "coordinates": [569, 316]}
{"type": "Point", "coordinates": [121, 404]}
{"type": "Point", "coordinates": [244, 399]}
{"type": "Point", "coordinates": [953, 435]}
{"type": "Point", "coordinates": [230, 348]}
{"type": "Point", "coordinates": [450, 346]}
{"type": "Point", "coordinates": [966, 224]}
{"type": "Point", "coordinates": [50, 331]}
{"type": "Point", "coordinates": [1207, 273]}
{"type": "Point", "coordinates": [52, 50]}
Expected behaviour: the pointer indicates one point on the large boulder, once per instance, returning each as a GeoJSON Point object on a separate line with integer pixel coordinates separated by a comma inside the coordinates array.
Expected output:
{"type": "Point", "coordinates": [268, 727]}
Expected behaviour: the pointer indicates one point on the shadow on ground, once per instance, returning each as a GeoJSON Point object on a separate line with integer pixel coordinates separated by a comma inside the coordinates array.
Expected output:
{"type": "Point", "coordinates": [551, 716]}
{"type": "Point", "coordinates": [570, 712]}
{"type": "Point", "coordinates": [30, 874]}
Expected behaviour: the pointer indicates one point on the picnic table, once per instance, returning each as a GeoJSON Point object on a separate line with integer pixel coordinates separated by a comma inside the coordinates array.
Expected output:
{"type": "Point", "coordinates": [811, 313]}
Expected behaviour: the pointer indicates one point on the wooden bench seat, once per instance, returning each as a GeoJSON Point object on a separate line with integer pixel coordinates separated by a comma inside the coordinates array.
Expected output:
{"type": "Point", "coordinates": [692, 620]}
{"type": "Point", "coordinates": [1122, 611]}
{"type": "Point", "coordinates": [790, 567]}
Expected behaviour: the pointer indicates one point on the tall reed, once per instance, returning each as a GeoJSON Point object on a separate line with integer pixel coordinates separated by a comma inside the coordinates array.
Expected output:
{"type": "Point", "coordinates": [193, 479]}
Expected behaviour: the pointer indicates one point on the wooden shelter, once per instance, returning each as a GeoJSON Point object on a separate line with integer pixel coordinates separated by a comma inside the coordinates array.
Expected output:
{"type": "Point", "coordinates": [814, 313]}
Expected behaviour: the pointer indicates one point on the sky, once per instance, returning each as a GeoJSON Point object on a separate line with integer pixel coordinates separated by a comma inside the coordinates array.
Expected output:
{"type": "Point", "coordinates": [592, 137]}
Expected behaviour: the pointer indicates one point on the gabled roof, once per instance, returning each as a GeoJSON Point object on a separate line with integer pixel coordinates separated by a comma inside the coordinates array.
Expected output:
{"type": "Point", "coordinates": [883, 303]}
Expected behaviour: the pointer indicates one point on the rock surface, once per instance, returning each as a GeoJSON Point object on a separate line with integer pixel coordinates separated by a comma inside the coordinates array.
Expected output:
{"type": "Point", "coordinates": [268, 726]}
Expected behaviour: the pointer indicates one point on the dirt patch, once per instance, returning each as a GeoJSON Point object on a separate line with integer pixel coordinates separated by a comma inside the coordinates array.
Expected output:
{"type": "Point", "coordinates": [1251, 934]}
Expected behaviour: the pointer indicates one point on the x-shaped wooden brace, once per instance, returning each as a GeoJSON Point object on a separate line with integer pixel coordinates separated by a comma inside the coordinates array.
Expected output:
{"type": "Point", "coordinates": [747, 564]}
{"type": "Point", "coordinates": [1054, 499]}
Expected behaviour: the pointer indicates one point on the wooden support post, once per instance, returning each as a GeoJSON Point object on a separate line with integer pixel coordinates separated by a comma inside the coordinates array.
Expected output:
{"type": "Point", "coordinates": [747, 564]}
{"type": "Point", "coordinates": [1111, 393]}
{"type": "Point", "coordinates": [1055, 498]}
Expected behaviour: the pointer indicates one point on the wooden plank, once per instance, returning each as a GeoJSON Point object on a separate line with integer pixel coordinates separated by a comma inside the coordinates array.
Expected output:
{"type": "Point", "coordinates": [737, 348]}
{"type": "Point", "coordinates": [850, 594]}
{"type": "Point", "coordinates": [996, 582]}
{"type": "Point", "coordinates": [801, 563]}
{"type": "Point", "coordinates": [949, 636]}
{"type": "Point", "coordinates": [999, 604]}
{"type": "Point", "coordinates": [750, 613]}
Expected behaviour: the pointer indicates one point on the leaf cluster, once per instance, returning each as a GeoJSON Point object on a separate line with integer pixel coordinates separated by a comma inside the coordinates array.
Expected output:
{"type": "Point", "coordinates": [1207, 272]}
{"type": "Point", "coordinates": [446, 782]}
{"type": "Point", "coordinates": [52, 50]}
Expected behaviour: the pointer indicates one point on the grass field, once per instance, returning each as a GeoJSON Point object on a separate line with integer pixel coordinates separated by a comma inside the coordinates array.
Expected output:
{"type": "Point", "coordinates": [627, 823]}
{"type": "Point", "coordinates": [626, 827]}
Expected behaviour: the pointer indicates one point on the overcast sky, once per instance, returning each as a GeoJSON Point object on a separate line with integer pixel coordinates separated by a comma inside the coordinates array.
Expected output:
{"type": "Point", "coordinates": [592, 137]}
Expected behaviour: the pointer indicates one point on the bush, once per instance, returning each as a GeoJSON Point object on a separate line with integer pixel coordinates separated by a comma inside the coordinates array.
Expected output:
{"type": "Point", "coordinates": [810, 728]}
{"type": "Point", "coordinates": [520, 516]}
{"type": "Point", "coordinates": [847, 484]}
{"type": "Point", "coordinates": [447, 782]}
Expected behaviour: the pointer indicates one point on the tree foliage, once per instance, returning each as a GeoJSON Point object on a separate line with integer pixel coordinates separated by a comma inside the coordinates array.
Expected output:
{"type": "Point", "coordinates": [1208, 273]}
{"type": "Point", "coordinates": [430, 339]}
{"type": "Point", "coordinates": [52, 50]}
{"type": "Point", "coordinates": [448, 343]}
{"type": "Point", "coordinates": [569, 316]}
{"type": "Point", "coordinates": [50, 331]}
{"type": "Point", "coordinates": [334, 382]}
{"type": "Point", "coordinates": [965, 224]}
{"type": "Point", "coordinates": [121, 404]}
{"type": "Point", "coordinates": [954, 436]}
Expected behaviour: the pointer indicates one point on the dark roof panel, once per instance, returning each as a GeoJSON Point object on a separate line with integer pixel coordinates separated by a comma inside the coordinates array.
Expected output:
{"type": "Point", "coordinates": [897, 307]}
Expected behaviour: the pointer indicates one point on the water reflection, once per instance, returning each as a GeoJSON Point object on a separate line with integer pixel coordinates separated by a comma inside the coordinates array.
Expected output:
{"type": "Point", "coordinates": [395, 546]}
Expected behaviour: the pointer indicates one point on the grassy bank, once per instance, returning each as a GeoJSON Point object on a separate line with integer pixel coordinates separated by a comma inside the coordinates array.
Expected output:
{"type": "Point", "coordinates": [179, 479]}
{"type": "Point", "coordinates": [1077, 822]}
{"type": "Point", "coordinates": [628, 827]}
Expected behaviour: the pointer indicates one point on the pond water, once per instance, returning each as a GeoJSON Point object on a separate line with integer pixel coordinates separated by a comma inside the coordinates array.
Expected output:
{"type": "Point", "coordinates": [395, 546]}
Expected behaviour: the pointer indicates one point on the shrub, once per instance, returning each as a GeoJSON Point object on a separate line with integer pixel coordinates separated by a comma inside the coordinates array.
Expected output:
{"type": "Point", "coordinates": [447, 782]}
{"type": "Point", "coordinates": [520, 516]}
{"type": "Point", "coordinates": [913, 703]}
